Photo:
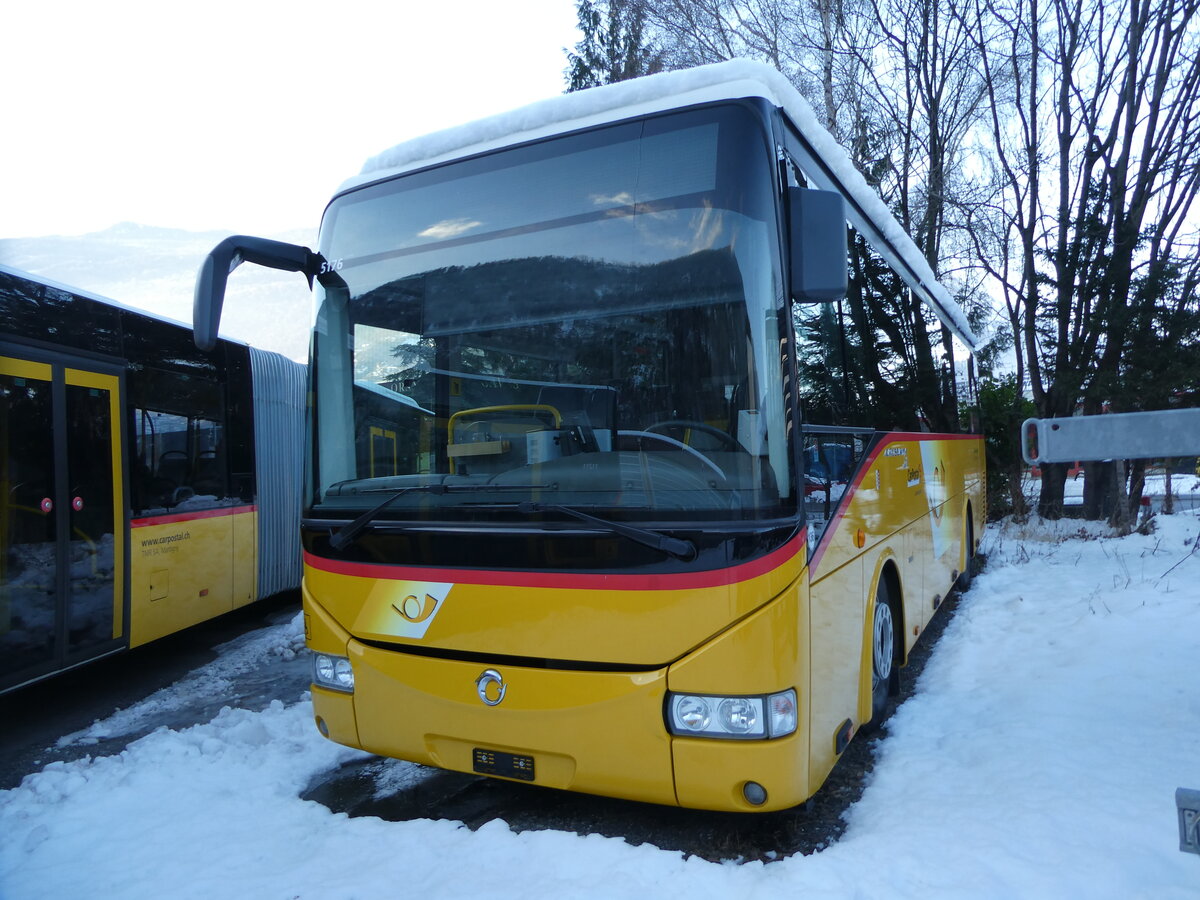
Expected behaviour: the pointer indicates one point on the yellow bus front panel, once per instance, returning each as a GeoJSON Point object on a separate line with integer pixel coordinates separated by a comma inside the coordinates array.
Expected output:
{"type": "Point", "coordinates": [597, 732]}
{"type": "Point", "coordinates": [587, 725]}
{"type": "Point", "coordinates": [619, 619]}
{"type": "Point", "coordinates": [763, 654]}
{"type": "Point", "coordinates": [713, 774]}
{"type": "Point", "coordinates": [333, 711]}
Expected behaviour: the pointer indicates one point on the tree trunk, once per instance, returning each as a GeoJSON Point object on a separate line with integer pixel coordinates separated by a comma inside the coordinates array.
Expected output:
{"type": "Point", "coordinates": [1054, 480]}
{"type": "Point", "coordinates": [1098, 490]}
{"type": "Point", "coordinates": [1137, 485]}
{"type": "Point", "coordinates": [1120, 517]}
{"type": "Point", "coordinates": [1016, 491]}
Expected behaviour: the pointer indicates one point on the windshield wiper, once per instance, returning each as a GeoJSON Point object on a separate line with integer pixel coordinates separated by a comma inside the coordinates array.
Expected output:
{"type": "Point", "coordinates": [347, 533]}
{"type": "Point", "coordinates": [676, 547]}
{"type": "Point", "coordinates": [344, 535]}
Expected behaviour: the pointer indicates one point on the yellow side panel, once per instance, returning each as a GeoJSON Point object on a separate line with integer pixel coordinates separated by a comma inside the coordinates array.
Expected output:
{"type": "Point", "coordinates": [764, 653]}
{"type": "Point", "coordinates": [838, 605]}
{"type": "Point", "coordinates": [910, 481]}
{"type": "Point", "coordinates": [23, 368]}
{"type": "Point", "coordinates": [906, 509]}
{"type": "Point", "coordinates": [245, 558]}
{"type": "Point", "coordinates": [334, 708]}
{"type": "Point", "coordinates": [911, 547]}
{"type": "Point", "coordinates": [182, 571]}
{"type": "Point", "coordinates": [112, 385]}
{"type": "Point", "coordinates": [17, 368]}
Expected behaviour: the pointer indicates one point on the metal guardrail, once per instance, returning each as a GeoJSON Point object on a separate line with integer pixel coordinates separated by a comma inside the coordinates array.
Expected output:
{"type": "Point", "coordinates": [1160, 434]}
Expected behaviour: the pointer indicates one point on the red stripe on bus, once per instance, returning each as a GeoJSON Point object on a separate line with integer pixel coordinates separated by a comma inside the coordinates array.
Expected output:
{"type": "Point", "coordinates": [581, 580]}
{"type": "Point", "coordinates": [925, 436]}
{"type": "Point", "coordinates": [192, 516]}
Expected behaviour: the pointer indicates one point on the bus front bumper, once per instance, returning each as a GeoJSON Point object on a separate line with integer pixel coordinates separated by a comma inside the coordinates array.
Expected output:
{"type": "Point", "coordinates": [573, 730]}
{"type": "Point", "coordinates": [598, 732]}
{"type": "Point", "coordinates": [595, 732]}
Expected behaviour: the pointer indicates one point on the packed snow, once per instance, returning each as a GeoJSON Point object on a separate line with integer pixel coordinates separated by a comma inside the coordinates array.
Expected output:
{"type": "Point", "coordinates": [1038, 757]}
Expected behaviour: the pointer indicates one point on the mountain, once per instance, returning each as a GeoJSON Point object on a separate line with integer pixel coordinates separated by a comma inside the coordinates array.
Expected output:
{"type": "Point", "coordinates": [155, 269]}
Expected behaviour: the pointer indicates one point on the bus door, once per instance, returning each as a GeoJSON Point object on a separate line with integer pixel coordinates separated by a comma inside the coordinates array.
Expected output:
{"type": "Point", "coordinates": [62, 514]}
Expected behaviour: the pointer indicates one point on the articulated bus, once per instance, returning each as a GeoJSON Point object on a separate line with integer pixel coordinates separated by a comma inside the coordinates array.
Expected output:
{"type": "Point", "coordinates": [145, 486]}
{"type": "Point", "coordinates": [611, 486]}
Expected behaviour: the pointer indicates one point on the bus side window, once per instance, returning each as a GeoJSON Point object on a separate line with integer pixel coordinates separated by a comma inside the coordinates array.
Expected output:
{"type": "Point", "coordinates": [179, 458]}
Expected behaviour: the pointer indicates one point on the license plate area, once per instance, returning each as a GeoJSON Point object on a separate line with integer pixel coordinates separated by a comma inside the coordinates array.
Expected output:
{"type": "Point", "coordinates": [505, 765]}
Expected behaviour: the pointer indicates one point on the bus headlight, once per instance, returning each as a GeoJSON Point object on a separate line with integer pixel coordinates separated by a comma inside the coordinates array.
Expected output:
{"type": "Point", "coordinates": [741, 715]}
{"type": "Point", "coordinates": [747, 718]}
{"type": "Point", "coordinates": [692, 713]}
{"type": "Point", "coordinates": [333, 672]}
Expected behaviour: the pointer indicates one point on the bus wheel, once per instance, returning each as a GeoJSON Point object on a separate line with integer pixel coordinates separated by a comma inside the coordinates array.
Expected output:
{"type": "Point", "coordinates": [964, 577]}
{"type": "Point", "coordinates": [883, 654]}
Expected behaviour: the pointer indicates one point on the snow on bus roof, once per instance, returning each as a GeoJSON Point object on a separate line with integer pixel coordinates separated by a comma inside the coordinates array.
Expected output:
{"type": "Point", "coordinates": [730, 80]}
{"type": "Point", "coordinates": [91, 295]}
{"type": "Point", "coordinates": [107, 301]}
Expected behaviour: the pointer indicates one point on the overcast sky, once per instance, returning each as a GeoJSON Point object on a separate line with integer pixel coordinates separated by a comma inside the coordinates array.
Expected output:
{"type": "Point", "coordinates": [244, 115]}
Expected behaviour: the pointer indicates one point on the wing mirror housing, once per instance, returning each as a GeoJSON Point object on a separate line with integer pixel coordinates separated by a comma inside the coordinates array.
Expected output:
{"type": "Point", "coordinates": [817, 245]}
{"type": "Point", "coordinates": [227, 256]}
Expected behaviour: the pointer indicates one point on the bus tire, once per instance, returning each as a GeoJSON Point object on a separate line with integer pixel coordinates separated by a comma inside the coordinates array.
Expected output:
{"type": "Point", "coordinates": [963, 583]}
{"type": "Point", "coordinates": [883, 654]}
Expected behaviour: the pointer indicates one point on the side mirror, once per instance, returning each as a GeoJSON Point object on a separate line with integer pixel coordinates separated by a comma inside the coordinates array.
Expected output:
{"type": "Point", "coordinates": [227, 256]}
{"type": "Point", "coordinates": [817, 245]}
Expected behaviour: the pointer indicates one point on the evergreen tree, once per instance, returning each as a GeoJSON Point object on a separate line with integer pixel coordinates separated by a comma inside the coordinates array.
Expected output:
{"type": "Point", "coordinates": [614, 45]}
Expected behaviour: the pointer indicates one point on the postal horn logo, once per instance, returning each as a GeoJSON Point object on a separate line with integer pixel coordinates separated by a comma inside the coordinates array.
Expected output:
{"type": "Point", "coordinates": [491, 687]}
{"type": "Point", "coordinates": [415, 609]}
{"type": "Point", "coordinates": [411, 607]}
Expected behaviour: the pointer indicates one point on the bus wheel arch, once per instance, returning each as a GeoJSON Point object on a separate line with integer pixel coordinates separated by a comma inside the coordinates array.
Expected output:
{"type": "Point", "coordinates": [963, 582]}
{"type": "Point", "coordinates": [884, 647]}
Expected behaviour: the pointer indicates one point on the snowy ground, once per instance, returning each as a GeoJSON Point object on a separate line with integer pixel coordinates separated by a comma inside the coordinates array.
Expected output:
{"type": "Point", "coordinates": [1184, 488]}
{"type": "Point", "coordinates": [1038, 758]}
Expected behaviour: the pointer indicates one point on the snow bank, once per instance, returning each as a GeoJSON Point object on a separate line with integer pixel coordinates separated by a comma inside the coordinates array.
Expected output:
{"type": "Point", "coordinates": [1039, 758]}
{"type": "Point", "coordinates": [216, 679]}
{"type": "Point", "coordinates": [1058, 715]}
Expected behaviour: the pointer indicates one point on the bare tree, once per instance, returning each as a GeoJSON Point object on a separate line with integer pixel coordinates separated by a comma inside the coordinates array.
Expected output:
{"type": "Point", "coordinates": [1053, 145]}
{"type": "Point", "coordinates": [896, 82]}
{"type": "Point", "coordinates": [1096, 138]}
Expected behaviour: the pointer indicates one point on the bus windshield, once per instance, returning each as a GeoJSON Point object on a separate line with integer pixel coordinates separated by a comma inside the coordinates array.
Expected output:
{"type": "Point", "coordinates": [594, 320]}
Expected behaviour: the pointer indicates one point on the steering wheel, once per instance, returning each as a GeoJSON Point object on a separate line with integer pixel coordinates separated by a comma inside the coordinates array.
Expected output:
{"type": "Point", "coordinates": [677, 445]}
{"type": "Point", "coordinates": [728, 440]}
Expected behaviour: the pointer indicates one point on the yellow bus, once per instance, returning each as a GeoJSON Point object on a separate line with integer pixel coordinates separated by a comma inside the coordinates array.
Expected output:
{"type": "Point", "coordinates": [608, 488]}
{"type": "Point", "coordinates": [144, 486]}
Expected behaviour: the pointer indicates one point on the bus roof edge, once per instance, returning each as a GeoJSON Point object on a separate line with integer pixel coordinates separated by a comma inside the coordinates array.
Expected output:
{"type": "Point", "coordinates": [735, 79]}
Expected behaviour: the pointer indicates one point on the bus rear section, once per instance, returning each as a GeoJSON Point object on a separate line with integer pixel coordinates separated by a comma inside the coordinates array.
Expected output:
{"type": "Point", "coordinates": [145, 486]}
